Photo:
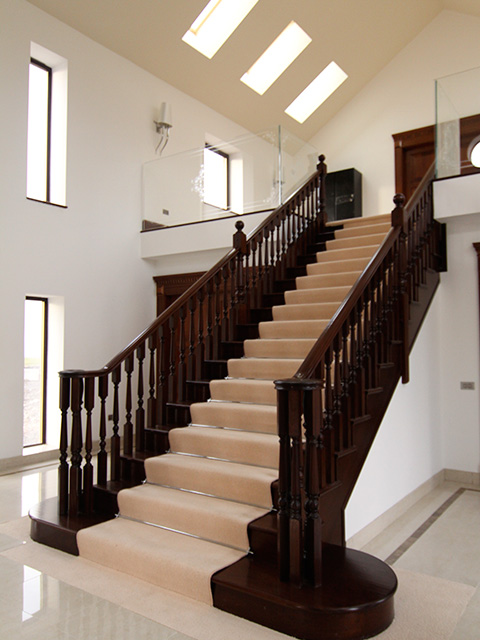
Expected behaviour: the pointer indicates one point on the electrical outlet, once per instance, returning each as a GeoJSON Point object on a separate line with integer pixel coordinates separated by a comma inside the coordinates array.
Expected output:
{"type": "Point", "coordinates": [166, 212]}
{"type": "Point", "coordinates": [467, 386]}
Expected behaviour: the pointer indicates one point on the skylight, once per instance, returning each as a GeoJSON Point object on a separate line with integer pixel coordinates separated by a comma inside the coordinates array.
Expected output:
{"type": "Point", "coordinates": [216, 23]}
{"type": "Point", "coordinates": [316, 93]}
{"type": "Point", "coordinates": [274, 60]}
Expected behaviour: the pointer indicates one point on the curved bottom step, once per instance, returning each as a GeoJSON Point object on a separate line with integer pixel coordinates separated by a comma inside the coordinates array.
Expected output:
{"type": "Point", "coordinates": [355, 600]}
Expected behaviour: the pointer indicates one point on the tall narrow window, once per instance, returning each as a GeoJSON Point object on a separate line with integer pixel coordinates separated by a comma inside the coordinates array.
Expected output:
{"type": "Point", "coordinates": [35, 371]}
{"type": "Point", "coordinates": [47, 127]}
{"type": "Point", "coordinates": [39, 131]}
{"type": "Point", "coordinates": [215, 178]}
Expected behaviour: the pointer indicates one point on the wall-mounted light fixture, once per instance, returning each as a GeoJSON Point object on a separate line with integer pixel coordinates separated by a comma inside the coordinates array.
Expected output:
{"type": "Point", "coordinates": [163, 125]}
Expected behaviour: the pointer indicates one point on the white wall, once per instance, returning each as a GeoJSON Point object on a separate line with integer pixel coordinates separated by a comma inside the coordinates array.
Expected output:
{"type": "Point", "coordinates": [401, 97]}
{"type": "Point", "coordinates": [89, 253]}
{"type": "Point", "coordinates": [430, 424]}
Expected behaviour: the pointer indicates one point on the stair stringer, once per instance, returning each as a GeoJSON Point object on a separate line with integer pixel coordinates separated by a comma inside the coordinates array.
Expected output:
{"type": "Point", "coordinates": [289, 342]}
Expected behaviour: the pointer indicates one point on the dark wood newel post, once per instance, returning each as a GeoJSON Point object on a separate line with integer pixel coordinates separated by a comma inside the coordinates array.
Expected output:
{"type": "Point", "coordinates": [399, 220]}
{"type": "Point", "coordinates": [240, 244]}
{"type": "Point", "coordinates": [322, 205]}
{"type": "Point", "coordinates": [299, 522]}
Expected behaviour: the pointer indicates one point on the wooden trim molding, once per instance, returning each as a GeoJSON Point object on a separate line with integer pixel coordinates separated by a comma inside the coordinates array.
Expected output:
{"type": "Point", "coordinates": [415, 152]}
{"type": "Point", "coordinates": [170, 287]}
{"type": "Point", "coordinates": [476, 246]}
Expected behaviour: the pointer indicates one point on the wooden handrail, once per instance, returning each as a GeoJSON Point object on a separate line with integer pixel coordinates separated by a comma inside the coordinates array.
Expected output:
{"type": "Point", "coordinates": [196, 286]}
{"type": "Point", "coordinates": [145, 384]}
{"type": "Point", "coordinates": [400, 216]}
{"type": "Point", "coordinates": [328, 392]}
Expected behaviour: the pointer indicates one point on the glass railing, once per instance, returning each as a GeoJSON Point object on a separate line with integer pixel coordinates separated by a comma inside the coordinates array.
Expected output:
{"type": "Point", "coordinates": [457, 122]}
{"type": "Point", "coordinates": [263, 171]}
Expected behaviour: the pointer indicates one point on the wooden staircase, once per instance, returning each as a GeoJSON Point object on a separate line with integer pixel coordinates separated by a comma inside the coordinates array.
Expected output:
{"type": "Point", "coordinates": [259, 481]}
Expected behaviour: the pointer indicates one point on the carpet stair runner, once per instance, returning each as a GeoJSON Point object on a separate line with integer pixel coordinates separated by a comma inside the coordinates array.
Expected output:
{"type": "Point", "coordinates": [190, 518]}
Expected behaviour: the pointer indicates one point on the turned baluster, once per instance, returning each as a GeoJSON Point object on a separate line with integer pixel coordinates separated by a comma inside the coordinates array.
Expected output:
{"type": "Point", "coordinates": [161, 391]}
{"type": "Point", "coordinates": [313, 469]}
{"type": "Point", "coordinates": [191, 338]}
{"type": "Point", "coordinates": [63, 466]}
{"type": "Point", "coordinates": [345, 385]}
{"type": "Point", "coordinates": [270, 261]}
{"type": "Point", "coordinates": [338, 417]}
{"type": "Point", "coordinates": [254, 276]}
{"type": "Point", "coordinates": [181, 369]}
{"type": "Point", "coordinates": [373, 341]}
{"type": "Point", "coordinates": [128, 426]}
{"type": "Point", "coordinates": [289, 236]}
{"type": "Point", "coordinates": [278, 249]}
{"type": "Point", "coordinates": [224, 332]}
{"type": "Point", "coordinates": [328, 421]}
{"type": "Point", "coordinates": [352, 365]}
{"type": "Point", "coordinates": [209, 336]}
{"type": "Point", "coordinates": [102, 454]}
{"type": "Point", "coordinates": [172, 359]}
{"type": "Point", "coordinates": [217, 300]}
{"type": "Point", "coordinates": [360, 365]}
{"type": "Point", "coordinates": [151, 401]}
{"type": "Point", "coordinates": [88, 467]}
{"type": "Point", "coordinates": [200, 353]}
{"type": "Point", "coordinates": [76, 447]}
{"type": "Point", "coordinates": [261, 273]}
{"type": "Point", "coordinates": [140, 412]}
{"type": "Point", "coordinates": [115, 439]}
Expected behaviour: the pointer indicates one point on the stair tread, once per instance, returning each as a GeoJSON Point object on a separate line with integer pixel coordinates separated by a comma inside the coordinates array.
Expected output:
{"type": "Point", "coordinates": [243, 390]}
{"type": "Point", "coordinates": [208, 517]}
{"type": "Point", "coordinates": [171, 560]}
{"type": "Point", "coordinates": [233, 415]}
{"type": "Point", "coordinates": [248, 447]}
{"type": "Point", "coordinates": [241, 482]}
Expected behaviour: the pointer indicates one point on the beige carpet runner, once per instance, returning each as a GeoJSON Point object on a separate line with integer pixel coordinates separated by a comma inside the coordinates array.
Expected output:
{"type": "Point", "coordinates": [190, 517]}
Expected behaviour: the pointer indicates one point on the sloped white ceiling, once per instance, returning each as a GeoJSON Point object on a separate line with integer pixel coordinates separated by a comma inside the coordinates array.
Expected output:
{"type": "Point", "coordinates": [362, 36]}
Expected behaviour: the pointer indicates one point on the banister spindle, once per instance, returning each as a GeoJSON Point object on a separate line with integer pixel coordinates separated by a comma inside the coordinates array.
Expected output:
{"type": "Point", "coordinates": [151, 401]}
{"type": "Point", "coordinates": [209, 336]}
{"type": "Point", "coordinates": [115, 439]}
{"type": "Point", "coordinates": [172, 322]}
{"type": "Point", "coordinates": [160, 389]}
{"type": "Point", "coordinates": [128, 426]}
{"type": "Point", "coordinates": [76, 447]}
{"type": "Point", "coordinates": [63, 468]}
{"type": "Point", "coordinates": [88, 467]}
{"type": "Point", "coordinates": [200, 351]}
{"type": "Point", "coordinates": [102, 454]}
{"type": "Point", "coordinates": [181, 377]}
{"type": "Point", "coordinates": [140, 412]}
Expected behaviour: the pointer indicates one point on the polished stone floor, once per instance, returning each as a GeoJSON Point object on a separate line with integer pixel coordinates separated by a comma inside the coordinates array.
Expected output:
{"type": "Point", "coordinates": [439, 536]}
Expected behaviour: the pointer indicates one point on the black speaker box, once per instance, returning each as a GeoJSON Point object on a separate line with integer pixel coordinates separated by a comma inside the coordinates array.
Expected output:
{"type": "Point", "coordinates": [344, 194]}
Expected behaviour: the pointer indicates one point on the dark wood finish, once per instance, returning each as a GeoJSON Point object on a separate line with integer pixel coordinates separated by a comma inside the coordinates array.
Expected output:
{"type": "Point", "coordinates": [355, 600]}
{"type": "Point", "coordinates": [179, 347]}
{"type": "Point", "coordinates": [299, 578]}
{"type": "Point", "coordinates": [415, 152]}
{"type": "Point", "coordinates": [60, 532]}
{"type": "Point", "coordinates": [476, 246]}
{"type": "Point", "coordinates": [170, 287]}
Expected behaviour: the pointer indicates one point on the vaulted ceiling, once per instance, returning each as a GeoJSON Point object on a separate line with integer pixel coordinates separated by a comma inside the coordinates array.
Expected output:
{"type": "Point", "coordinates": [362, 36]}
